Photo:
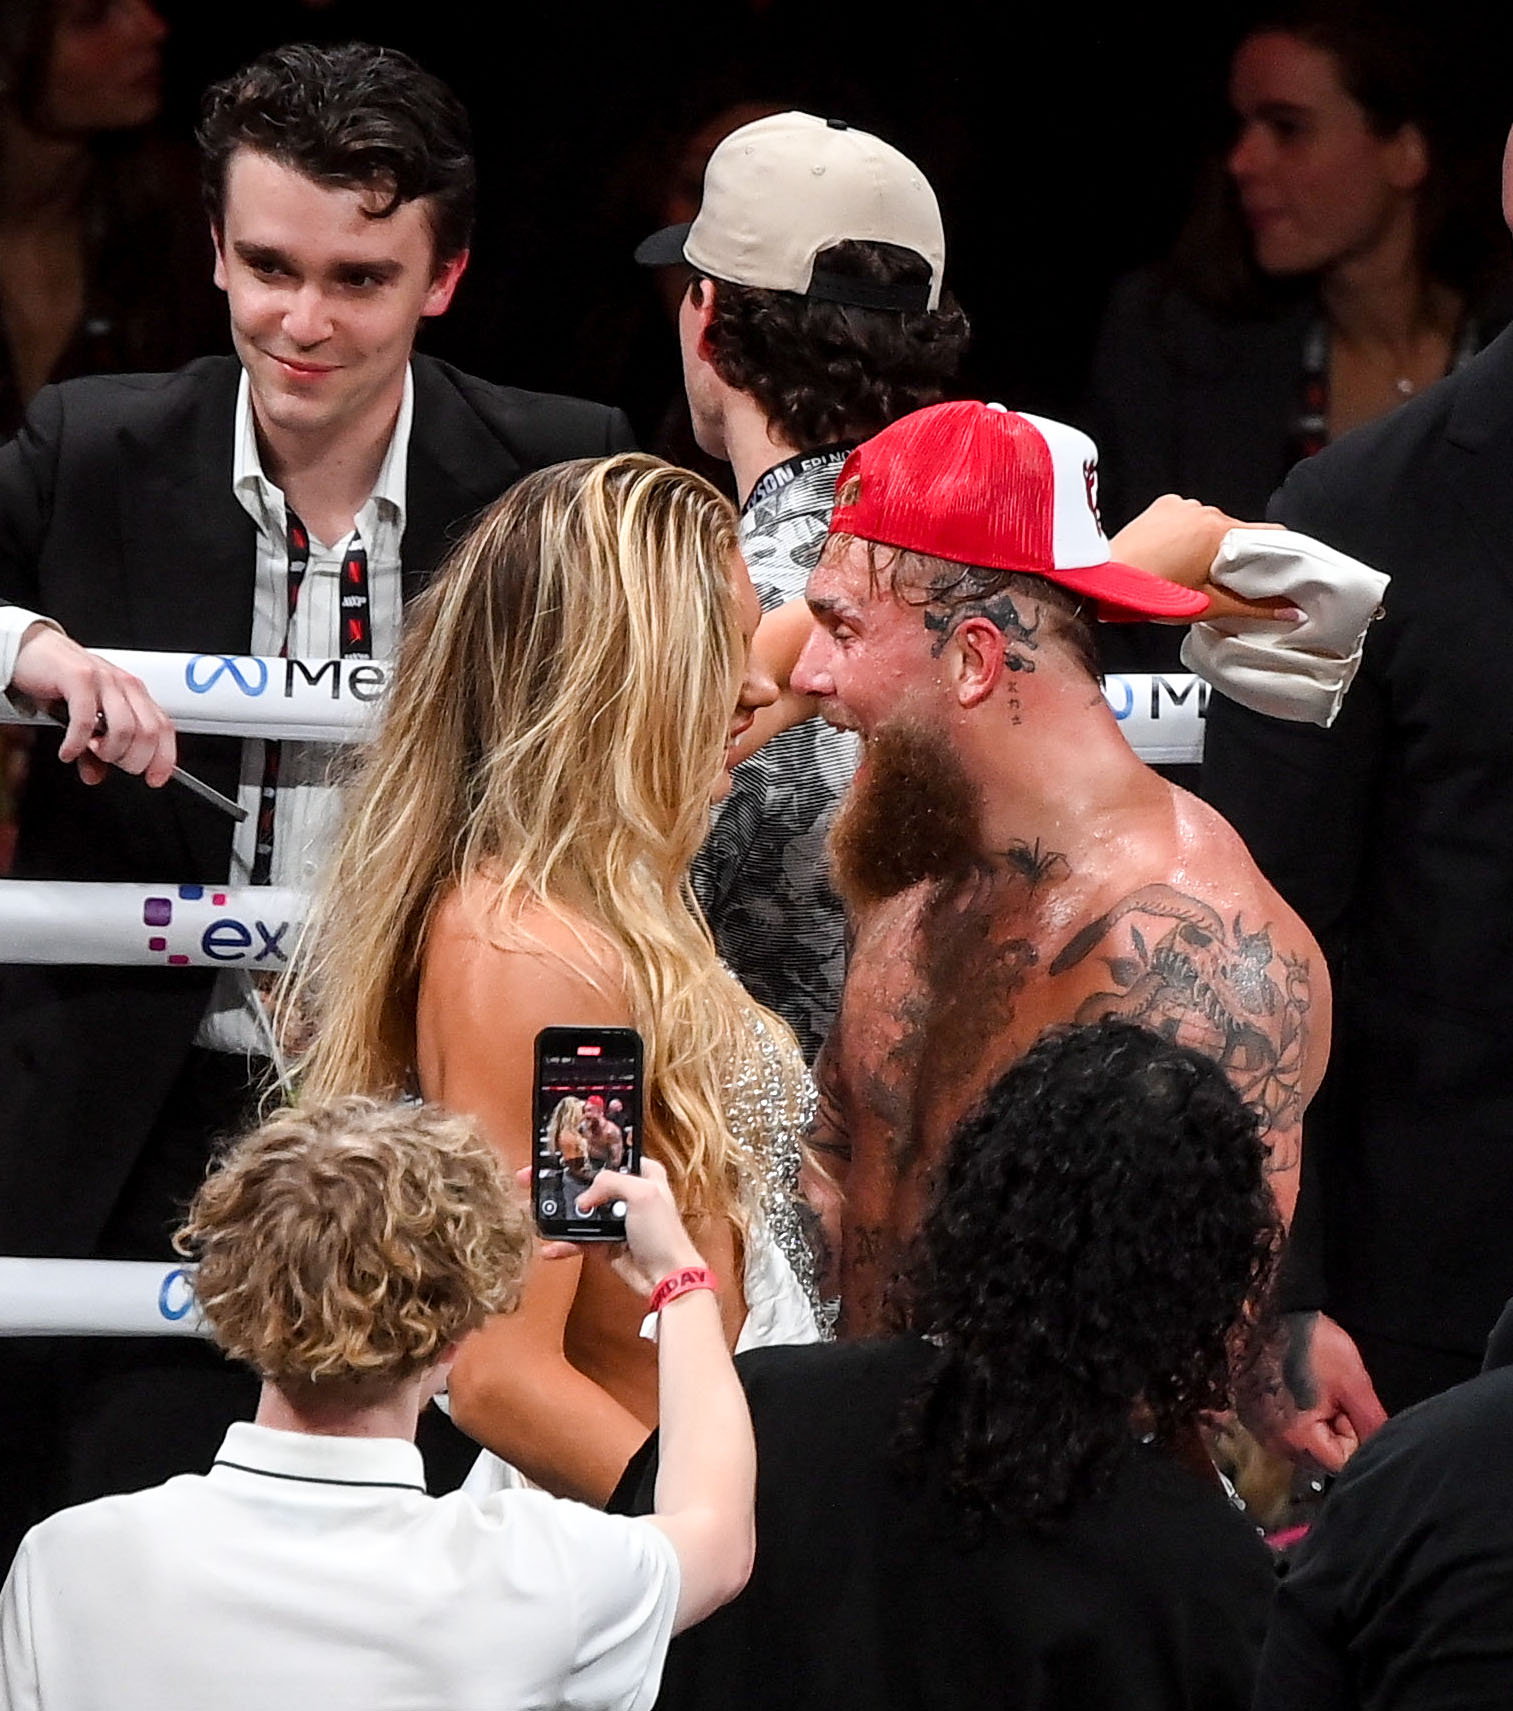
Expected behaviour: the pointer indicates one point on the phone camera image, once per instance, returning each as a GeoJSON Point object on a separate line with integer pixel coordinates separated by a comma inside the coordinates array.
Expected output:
{"type": "Point", "coordinates": [587, 1121]}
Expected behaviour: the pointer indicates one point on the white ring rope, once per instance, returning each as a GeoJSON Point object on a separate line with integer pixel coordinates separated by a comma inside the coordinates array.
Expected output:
{"type": "Point", "coordinates": [335, 700]}
{"type": "Point", "coordinates": [148, 926]}
{"type": "Point", "coordinates": [96, 1298]}
{"type": "Point", "coordinates": [304, 700]}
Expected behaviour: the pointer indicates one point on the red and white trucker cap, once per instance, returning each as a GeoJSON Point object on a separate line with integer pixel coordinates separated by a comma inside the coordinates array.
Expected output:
{"type": "Point", "coordinates": [982, 485]}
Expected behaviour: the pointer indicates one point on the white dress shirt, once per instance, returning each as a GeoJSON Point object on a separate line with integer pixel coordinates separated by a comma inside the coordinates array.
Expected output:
{"type": "Point", "coordinates": [315, 1574]}
{"type": "Point", "coordinates": [306, 815]}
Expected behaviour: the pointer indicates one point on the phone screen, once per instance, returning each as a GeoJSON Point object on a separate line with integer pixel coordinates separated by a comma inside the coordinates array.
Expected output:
{"type": "Point", "coordinates": [587, 1119]}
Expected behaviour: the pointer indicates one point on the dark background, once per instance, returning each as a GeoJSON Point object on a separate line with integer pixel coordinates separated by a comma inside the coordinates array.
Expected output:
{"type": "Point", "coordinates": [1062, 139]}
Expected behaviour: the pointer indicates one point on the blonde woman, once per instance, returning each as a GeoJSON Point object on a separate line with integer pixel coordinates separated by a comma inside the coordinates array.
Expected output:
{"type": "Point", "coordinates": [515, 856]}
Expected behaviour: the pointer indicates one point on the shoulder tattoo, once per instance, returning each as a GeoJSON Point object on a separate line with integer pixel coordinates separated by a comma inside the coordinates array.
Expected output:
{"type": "Point", "coordinates": [1207, 982]}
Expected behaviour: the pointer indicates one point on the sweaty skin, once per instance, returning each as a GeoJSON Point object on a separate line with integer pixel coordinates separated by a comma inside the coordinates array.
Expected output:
{"type": "Point", "coordinates": [1017, 868]}
{"type": "Point", "coordinates": [951, 981]}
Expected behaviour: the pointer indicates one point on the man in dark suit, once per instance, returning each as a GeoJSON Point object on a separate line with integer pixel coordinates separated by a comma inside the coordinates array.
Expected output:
{"type": "Point", "coordinates": [1392, 835]}
{"type": "Point", "coordinates": [287, 500]}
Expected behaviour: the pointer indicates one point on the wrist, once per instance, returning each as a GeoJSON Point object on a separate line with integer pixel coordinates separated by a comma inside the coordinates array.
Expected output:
{"type": "Point", "coordinates": [682, 1280]}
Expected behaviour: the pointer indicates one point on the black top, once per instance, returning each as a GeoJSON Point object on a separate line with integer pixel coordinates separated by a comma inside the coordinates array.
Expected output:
{"type": "Point", "coordinates": [865, 1594]}
{"type": "Point", "coordinates": [1401, 1596]}
{"type": "Point", "coordinates": [1391, 834]}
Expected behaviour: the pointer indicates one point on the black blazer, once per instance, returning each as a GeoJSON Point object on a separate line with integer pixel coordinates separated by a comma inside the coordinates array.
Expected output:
{"type": "Point", "coordinates": [1392, 834]}
{"type": "Point", "coordinates": [118, 520]}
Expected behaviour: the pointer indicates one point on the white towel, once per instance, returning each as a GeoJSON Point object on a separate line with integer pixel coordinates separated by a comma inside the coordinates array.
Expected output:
{"type": "Point", "coordinates": [1288, 668]}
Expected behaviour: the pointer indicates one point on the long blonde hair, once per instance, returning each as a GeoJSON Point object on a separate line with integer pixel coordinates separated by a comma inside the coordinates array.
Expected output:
{"type": "Point", "coordinates": [557, 717]}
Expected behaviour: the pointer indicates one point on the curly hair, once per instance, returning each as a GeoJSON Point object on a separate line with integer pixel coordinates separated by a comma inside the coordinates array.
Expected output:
{"type": "Point", "coordinates": [351, 118]}
{"type": "Point", "coordinates": [829, 372]}
{"type": "Point", "coordinates": [354, 1240]}
{"type": "Point", "coordinates": [1097, 1260]}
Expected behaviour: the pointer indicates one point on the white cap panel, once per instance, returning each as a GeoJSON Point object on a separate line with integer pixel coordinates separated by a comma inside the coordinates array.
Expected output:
{"type": "Point", "coordinates": [1077, 538]}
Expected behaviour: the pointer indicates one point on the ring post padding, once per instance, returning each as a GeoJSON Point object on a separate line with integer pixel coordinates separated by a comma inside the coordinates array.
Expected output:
{"type": "Point", "coordinates": [164, 926]}
{"type": "Point", "coordinates": [234, 695]}
{"type": "Point", "coordinates": [96, 1298]}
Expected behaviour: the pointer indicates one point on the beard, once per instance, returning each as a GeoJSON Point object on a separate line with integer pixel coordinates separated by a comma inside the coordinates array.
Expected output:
{"type": "Point", "coordinates": [910, 815]}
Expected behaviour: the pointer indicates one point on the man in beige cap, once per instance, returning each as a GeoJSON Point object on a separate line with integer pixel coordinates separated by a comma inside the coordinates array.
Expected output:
{"type": "Point", "coordinates": [815, 317]}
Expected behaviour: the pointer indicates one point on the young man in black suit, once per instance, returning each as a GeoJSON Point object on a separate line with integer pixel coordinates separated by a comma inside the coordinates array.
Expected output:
{"type": "Point", "coordinates": [285, 500]}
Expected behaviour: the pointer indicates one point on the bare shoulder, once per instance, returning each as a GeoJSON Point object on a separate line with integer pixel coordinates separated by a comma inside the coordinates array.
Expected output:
{"type": "Point", "coordinates": [489, 948]}
{"type": "Point", "coordinates": [491, 978]}
{"type": "Point", "coordinates": [1192, 941]}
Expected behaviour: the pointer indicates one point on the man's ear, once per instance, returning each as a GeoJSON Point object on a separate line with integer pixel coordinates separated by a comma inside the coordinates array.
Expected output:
{"type": "Point", "coordinates": [218, 238]}
{"type": "Point", "coordinates": [1407, 158]}
{"type": "Point", "coordinates": [436, 1375]}
{"type": "Point", "coordinates": [701, 308]}
{"type": "Point", "coordinates": [976, 660]}
{"type": "Point", "coordinates": [444, 284]}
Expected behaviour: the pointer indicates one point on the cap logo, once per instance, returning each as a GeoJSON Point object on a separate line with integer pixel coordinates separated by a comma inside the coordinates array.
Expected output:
{"type": "Point", "coordinates": [1090, 484]}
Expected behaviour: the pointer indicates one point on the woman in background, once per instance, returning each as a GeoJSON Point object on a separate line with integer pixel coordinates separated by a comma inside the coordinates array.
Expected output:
{"type": "Point", "coordinates": [104, 252]}
{"type": "Point", "coordinates": [1347, 256]}
{"type": "Point", "coordinates": [516, 856]}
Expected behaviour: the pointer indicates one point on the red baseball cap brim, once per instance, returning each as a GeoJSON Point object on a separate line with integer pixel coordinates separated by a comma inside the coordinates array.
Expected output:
{"type": "Point", "coordinates": [1126, 595]}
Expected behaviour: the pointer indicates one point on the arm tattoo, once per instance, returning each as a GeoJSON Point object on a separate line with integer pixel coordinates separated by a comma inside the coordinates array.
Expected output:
{"type": "Point", "coordinates": [1297, 1366]}
{"type": "Point", "coordinates": [1211, 984]}
{"type": "Point", "coordinates": [830, 1134]}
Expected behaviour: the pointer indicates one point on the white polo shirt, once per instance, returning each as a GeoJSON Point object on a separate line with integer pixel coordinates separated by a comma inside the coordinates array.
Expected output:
{"type": "Point", "coordinates": [311, 1573]}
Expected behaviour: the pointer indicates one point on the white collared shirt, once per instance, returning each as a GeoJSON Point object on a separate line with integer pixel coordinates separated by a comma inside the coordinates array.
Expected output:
{"type": "Point", "coordinates": [315, 1574]}
{"type": "Point", "coordinates": [305, 817]}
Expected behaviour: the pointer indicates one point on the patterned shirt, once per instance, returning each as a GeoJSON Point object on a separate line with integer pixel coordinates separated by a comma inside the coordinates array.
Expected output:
{"type": "Point", "coordinates": [761, 875]}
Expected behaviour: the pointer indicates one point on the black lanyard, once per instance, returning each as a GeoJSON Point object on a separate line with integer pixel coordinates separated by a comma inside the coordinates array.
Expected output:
{"type": "Point", "coordinates": [355, 641]}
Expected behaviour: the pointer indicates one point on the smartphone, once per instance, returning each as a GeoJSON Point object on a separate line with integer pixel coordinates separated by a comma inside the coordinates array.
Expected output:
{"type": "Point", "coordinates": [587, 1118]}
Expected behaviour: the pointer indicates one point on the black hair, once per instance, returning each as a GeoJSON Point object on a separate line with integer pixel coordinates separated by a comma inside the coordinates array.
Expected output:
{"type": "Point", "coordinates": [26, 39]}
{"type": "Point", "coordinates": [825, 373]}
{"type": "Point", "coordinates": [349, 117]}
{"type": "Point", "coordinates": [1102, 1242]}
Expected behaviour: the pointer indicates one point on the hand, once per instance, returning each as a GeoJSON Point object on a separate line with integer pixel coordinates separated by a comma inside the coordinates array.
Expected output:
{"type": "Point", "coordinates": [112, 720]}
{"type": "Point", "coordinates": [1312, 1400]}
{"type": "Point", "coordinates": [1178, 539]}
{"type": "Point", "coordinates": [655, 1241]}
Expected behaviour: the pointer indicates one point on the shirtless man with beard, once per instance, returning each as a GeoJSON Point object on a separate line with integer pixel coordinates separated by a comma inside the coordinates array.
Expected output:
{"type": "Point", "coordinates": [1007, 861]}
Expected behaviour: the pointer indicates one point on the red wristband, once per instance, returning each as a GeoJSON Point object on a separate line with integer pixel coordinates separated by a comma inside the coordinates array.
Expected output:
{"type": "Point", "coordinates": [678, 1283]}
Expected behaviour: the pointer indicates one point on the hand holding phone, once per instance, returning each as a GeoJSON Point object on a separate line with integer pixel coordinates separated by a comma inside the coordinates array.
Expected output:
{"type": "Point", "coordinates": [656, 1242]}
{"type": "Point", "coordinates": [586, 1120]}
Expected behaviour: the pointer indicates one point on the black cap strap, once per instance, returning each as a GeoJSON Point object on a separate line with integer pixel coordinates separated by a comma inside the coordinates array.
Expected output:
{"type": "Point", "coordinates": [909, 295]}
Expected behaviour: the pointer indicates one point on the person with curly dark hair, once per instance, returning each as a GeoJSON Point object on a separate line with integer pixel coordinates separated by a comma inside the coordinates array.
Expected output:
{"type": "Point", "coordinates": [816, 316]}
{"type": "Point", "coordinates": [997, 1504]}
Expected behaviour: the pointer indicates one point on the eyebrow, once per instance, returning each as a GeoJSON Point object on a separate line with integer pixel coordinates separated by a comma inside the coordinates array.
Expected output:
{"type": "Point", "coordinates": [1282, 110]}
{"type": "Point", "coordinates": [831, 606]}
{"type": "Point", "coordinates": [267, 255]}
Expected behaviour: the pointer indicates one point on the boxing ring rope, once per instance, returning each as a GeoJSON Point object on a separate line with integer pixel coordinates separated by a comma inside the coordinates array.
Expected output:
{"type": "Point", "coordinates": [337, 700]}
{"type": "Point", "coordinates": [302, 700]}
{"type": "Point", "coordinates": [96, 1298]}
{"type": "Point", "coordinates": [255, 927]}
